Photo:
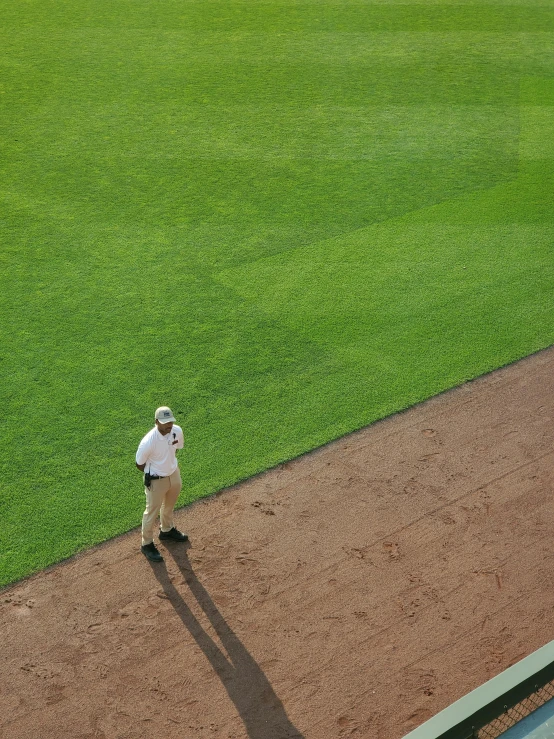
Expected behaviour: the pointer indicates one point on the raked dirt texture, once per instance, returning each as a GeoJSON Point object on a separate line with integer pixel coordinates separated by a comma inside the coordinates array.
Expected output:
{"type": "Point", "coordinates": [285, 220]}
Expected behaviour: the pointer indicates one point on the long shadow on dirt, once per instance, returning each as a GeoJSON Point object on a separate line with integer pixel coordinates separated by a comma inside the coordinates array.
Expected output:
{"type": "Point", "coordinates": [261, 711]}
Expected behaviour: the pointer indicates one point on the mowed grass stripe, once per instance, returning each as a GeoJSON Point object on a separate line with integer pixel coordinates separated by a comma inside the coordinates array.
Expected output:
{"type": "Point", "coordinates": [286, 17]}
{"type": "Point", "coordinates": [465, 283]}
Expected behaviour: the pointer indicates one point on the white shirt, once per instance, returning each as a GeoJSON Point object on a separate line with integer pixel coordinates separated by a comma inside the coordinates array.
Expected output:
{"type": "Point", "coordinates": [157, 452]}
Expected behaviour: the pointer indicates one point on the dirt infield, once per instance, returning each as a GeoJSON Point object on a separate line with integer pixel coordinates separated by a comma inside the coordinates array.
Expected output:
{"type": "Point", "coordinates": [353, 592]}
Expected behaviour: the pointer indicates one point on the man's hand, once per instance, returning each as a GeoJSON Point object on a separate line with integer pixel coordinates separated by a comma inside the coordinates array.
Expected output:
{"type": "Point", "coordinates": [141, 466]}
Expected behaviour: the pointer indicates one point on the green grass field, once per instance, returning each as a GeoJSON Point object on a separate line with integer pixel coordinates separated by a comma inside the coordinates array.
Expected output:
{"type": "Point", "coordinates": [283, 219]}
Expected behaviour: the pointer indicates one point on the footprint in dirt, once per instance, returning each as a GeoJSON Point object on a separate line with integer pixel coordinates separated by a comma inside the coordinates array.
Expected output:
{"type": "Point", "coordinates": [98, 628]}
{"type": "Point", "coordinates": [263, 507]}
{"type": "Point", "coordinates": [418, 717]}
{"type": "Point", "coordinates": [347, 726]}
{"type": "Point", "coordinates": [21, 606]}
{"type": "Point", "coordinates": [392, 549]}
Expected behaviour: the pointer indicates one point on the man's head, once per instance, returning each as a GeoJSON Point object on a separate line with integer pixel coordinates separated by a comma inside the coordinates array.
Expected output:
{"type": "Point", "coordinates": [164, 419]}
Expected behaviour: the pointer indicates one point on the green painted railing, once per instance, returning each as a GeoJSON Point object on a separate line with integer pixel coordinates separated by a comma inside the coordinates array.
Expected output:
{"type": "Point", "coordinates": [468, 715]}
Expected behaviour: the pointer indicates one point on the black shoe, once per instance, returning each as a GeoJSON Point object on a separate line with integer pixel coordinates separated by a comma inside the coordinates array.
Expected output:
{"type": "Point", "coordinates": [151, 553]}
{"type": "Point", "coordinates": [173, 534]}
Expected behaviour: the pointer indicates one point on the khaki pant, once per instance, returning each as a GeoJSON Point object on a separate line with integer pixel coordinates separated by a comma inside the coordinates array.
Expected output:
{"type": "Point", "coordinates": [160, 498]}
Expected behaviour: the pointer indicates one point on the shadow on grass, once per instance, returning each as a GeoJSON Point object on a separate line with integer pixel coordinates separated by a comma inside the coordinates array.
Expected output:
{"type": "Point", "coordinates": [260, 709]}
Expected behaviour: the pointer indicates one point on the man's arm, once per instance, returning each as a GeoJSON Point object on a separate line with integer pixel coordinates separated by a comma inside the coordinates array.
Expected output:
{"type": "Point", "coordinates": [143, 452]}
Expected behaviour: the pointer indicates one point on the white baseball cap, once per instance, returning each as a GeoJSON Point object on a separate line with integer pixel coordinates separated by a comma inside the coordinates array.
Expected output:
{"type": "Point", "coordinates": [164, 415]}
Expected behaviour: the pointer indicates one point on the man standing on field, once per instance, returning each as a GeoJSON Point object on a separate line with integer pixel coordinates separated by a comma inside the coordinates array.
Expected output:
{"type": "Point", "coordinates": [162, 480]}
